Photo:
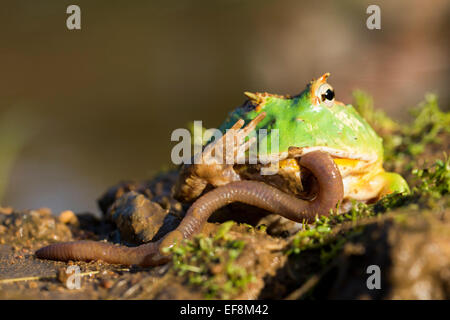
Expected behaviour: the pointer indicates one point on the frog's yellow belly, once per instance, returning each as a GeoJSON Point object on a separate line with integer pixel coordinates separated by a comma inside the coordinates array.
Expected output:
{"type": "Point", "coordinates": [362, 180]}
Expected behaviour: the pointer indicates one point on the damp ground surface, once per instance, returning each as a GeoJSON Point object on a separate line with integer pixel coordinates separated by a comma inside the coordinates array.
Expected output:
{"type": "Point", "coordinates": [407, 237]}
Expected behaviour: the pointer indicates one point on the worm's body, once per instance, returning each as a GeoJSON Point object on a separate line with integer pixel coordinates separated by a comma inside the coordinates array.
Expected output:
{"type": "Point", "coordinates": [254, 193]}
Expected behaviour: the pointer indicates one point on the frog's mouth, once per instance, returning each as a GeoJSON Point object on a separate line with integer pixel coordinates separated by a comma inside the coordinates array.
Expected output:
{"type": "Point", "coordinates": [297, 152]}
{"type": "Point", "coordinates": [289, 177]}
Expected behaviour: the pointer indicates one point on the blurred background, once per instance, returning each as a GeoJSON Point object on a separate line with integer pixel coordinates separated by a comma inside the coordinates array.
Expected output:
{"type": "Point", "coordinates": [81, 110]}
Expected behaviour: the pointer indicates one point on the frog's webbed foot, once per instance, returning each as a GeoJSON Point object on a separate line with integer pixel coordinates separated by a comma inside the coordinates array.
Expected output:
{"type": "Point", "coordinates": [394, 183]}
{"type": "Point", "coordinates": [214, 165]}
{"type": "Point", "coordinates": [230, 147]}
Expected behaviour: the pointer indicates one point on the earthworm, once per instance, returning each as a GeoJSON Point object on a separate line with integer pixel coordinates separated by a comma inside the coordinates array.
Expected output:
{"type": "Point", "coordinates": [254, 193]}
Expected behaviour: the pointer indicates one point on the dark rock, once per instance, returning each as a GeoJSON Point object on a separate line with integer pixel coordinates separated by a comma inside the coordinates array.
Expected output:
{"type": "Point", "coordinates": [137, 218]}
{"type": "Point", "coordinates": [115, 192]}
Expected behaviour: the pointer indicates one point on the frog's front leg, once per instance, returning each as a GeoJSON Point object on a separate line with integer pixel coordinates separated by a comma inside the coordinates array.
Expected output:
{"type": "Point", "coordinates": [393, 183]}
{"type": "Point", "coordinates": [214, 165]}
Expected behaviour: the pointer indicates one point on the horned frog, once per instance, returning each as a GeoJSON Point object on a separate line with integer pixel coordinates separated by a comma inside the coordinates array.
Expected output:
{"type": "Point", "coordinates": [309, 122]}
{"type": "Point", "coordinates": [326, 156]}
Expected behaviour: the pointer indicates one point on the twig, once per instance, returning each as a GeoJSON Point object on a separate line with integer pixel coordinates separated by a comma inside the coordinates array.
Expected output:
{"type": "Point", "coordinates": [87, 273]}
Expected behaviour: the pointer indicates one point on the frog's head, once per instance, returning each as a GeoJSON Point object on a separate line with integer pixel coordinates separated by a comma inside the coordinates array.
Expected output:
{"type": "Point", "coordinates": [311, 120]}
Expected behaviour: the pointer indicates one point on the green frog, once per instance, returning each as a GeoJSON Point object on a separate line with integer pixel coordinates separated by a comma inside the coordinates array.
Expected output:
{"type": "Point", "coordinates": [311, 121]}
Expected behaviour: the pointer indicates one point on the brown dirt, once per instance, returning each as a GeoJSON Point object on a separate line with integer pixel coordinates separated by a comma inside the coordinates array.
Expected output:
{"type": "Point", "coordinates": [411, 245]}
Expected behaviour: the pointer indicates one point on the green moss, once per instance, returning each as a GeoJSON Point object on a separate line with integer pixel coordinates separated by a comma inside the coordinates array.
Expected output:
{"type": "Point", "coordinates": [429, 122]}
{"type": "Point", "coordinates": [311, 237]}
{"type": "Point", "coordinates": [435, 180]}
{"type": "Point", "coordinates": [321, 234]}
{"type": "Point", "coordinates": [403, 141]}
{"type": "Point", "coordinates": [378, 119]}
{"type": "Point", "coordinates": [210, 263]}
{"type": "Point", "coordinates": [222, 231]}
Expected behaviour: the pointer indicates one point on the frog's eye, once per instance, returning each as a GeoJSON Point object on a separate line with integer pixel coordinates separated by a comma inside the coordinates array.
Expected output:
{"type": "Point", "coordinates": [325, 93]}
